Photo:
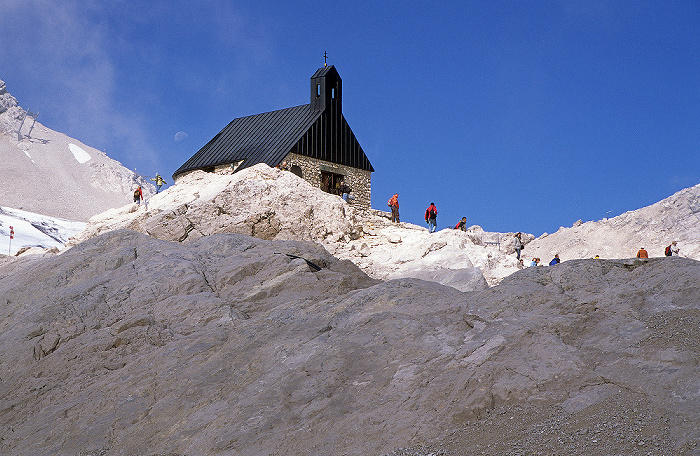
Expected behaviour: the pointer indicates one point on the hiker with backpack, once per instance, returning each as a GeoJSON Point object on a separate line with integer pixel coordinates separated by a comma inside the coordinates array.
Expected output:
{"type": "Point", "coordinates": [431, 217]}
{"type": "Point", "coordinates": [672, 249]}
{"type": "Point", "coordinates": [138, 195]}
{"type": "Point", "coordinates": [462, 224]}
{"type": "Point", "coordinates": [393, 203]}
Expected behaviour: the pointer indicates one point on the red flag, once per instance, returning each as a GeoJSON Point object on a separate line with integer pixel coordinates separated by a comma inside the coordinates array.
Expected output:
{"type": "Point", "coordinates": [12, 233]}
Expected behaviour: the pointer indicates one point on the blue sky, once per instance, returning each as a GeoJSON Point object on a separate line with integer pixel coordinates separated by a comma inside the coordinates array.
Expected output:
{"type": "Point", "coordinates": [521, 116]}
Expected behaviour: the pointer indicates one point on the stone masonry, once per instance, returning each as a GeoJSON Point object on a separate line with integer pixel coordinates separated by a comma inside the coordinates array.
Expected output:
{"type": "Point", "coordinates": [359, 180]}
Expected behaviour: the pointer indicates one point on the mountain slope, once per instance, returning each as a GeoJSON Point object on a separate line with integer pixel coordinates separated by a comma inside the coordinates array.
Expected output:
{"type": "Point", "coordinates": [653, 227]}
{"type": "Point", "coordinates": [49, 173]}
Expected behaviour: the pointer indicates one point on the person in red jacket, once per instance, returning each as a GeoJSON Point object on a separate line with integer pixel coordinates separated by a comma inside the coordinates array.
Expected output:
{"type": "Point", "coordinates": [394, 204]}
{"type": "Point", "coordinates": [138, 195]}
{"type": "Point", "coordinates": [431, 217]}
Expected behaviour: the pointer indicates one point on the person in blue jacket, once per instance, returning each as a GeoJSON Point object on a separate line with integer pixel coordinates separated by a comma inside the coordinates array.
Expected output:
{"type": "Point", "coordinates": [555, 260]}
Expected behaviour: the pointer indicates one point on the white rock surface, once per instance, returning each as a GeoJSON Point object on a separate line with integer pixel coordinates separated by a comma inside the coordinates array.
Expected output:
{"type": "Point", "coordinates": [273, 204]}
{"type": "Point", "coordinates": [676, 218]}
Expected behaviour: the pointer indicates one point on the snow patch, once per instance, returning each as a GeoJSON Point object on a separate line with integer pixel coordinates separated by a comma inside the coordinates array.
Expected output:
{"type": "Point", "coordinates": [80, 155]}
{"type": "Point", "coordinates": [34, 230]}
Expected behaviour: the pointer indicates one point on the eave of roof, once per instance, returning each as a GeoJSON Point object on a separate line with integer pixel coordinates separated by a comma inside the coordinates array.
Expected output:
{"type": "Point", "coordinates": [260, 138]}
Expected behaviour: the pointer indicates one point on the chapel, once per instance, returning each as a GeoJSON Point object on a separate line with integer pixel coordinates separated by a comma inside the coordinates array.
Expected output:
{"type": "Point", "coordinates": [313, 141]}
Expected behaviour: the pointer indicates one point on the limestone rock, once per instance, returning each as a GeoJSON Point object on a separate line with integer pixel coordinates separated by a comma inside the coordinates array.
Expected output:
{"type": "Point", "coordinates": [229, 344]}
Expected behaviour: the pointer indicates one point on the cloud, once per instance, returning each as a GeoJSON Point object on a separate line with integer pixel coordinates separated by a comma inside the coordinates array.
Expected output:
{"type": "Point", "coordinates": [180, 135]}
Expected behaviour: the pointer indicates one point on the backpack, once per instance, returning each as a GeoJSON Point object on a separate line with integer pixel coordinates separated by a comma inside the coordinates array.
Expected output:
{"type": "Point", "coordinates": [136, 194]}
{"type": "Point", "coordinates": [668, 251]}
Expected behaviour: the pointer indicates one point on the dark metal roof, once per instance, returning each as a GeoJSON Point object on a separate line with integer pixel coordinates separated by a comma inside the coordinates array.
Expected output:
{"type": "Point", "coordinates": [324, 71]}
{"type": "Point", "coordinates": [262, 138]}
{"type": "Point", "coordinates": [317, 130]}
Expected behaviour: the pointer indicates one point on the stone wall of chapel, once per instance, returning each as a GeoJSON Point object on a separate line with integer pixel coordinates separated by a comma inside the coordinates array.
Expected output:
{"type": "Point", "coordinates": [359, 180]}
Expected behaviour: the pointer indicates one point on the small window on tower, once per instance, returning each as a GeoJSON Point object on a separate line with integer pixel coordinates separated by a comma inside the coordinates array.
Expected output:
{"type": "Point", "coordinates": [333, 93]}
{"type": "Point", "coordinates": [318, 90]}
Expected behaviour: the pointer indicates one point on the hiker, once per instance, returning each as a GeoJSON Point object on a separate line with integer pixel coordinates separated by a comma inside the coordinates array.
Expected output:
{"type": "Point", "coordinates": [431, 217]}
{"type": "Point", "coordinates": [462, 224]}
{"type": "Point", "coordinates": [672, 249]}
{"type": "Point", "coordinates": [555, 260]}
{"type": "Point", "coordinates": [345, 191]}
{"type": "Point", "coordinates": [518, 244]}
{"type": "Point", "coordinates": [159, 182]}
{"type": "Point", "coordinates": [535, 262]}
{"type": "Point", "coordinates": [138, 195]}
{"type": "Point", "coordinates": [642, 253]}
{"type": "Point", "coordinates": [394, 205]}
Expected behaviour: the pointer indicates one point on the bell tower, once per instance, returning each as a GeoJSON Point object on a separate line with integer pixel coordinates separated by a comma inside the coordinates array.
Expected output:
{"type": "Point", "coordinates": [326, 89]}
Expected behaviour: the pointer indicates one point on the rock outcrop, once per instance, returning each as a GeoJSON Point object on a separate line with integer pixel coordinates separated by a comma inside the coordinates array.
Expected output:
{"type": "Point", "coordinates": [7, 101]}
{"type": "Point", "coordinates": [229, 344]}
{"type": "Point", "coordinates": [676, 218]}
{"type": "Point", "coordinates": [272, 204]}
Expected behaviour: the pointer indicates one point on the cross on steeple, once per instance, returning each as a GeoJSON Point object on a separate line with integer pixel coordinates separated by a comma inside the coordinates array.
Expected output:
{"type": "Point", "coordinates": [325, 59]}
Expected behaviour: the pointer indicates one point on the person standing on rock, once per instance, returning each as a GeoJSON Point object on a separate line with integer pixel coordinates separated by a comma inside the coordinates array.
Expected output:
{"type": "Point", "coordinates": [642, 253]}
{"type": "Point", "coordinates": [138, 195]}
{"type": "Point", "coordinates": [394, 205]}
{"type": "Point", "coordinates": [518, 243]}
{"type": "Point", "coordinates": [431, 217]}
{"type": "Point", "coordinates": [159, 182]}
{"type": "Point", "coordinates": [555, 260]}
{"type": "Point", "coordinates": [462, 224]}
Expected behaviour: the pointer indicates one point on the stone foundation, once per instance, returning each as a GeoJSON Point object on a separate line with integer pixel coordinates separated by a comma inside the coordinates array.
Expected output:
{"type": "Point", "coordinates": [309, 169]}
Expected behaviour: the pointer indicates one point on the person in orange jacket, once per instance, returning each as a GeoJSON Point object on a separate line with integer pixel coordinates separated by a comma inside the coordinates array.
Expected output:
{"type": "Point", "coordinates": [642, 253]}
{"type": "Point", "coordinates": [394, 204]}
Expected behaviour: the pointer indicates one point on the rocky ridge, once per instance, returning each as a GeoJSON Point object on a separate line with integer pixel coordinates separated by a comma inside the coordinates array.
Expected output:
{"type": "Point", "coordinates": [676, 218]}
{"type": "Point", "coordinates": [276, 205]}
